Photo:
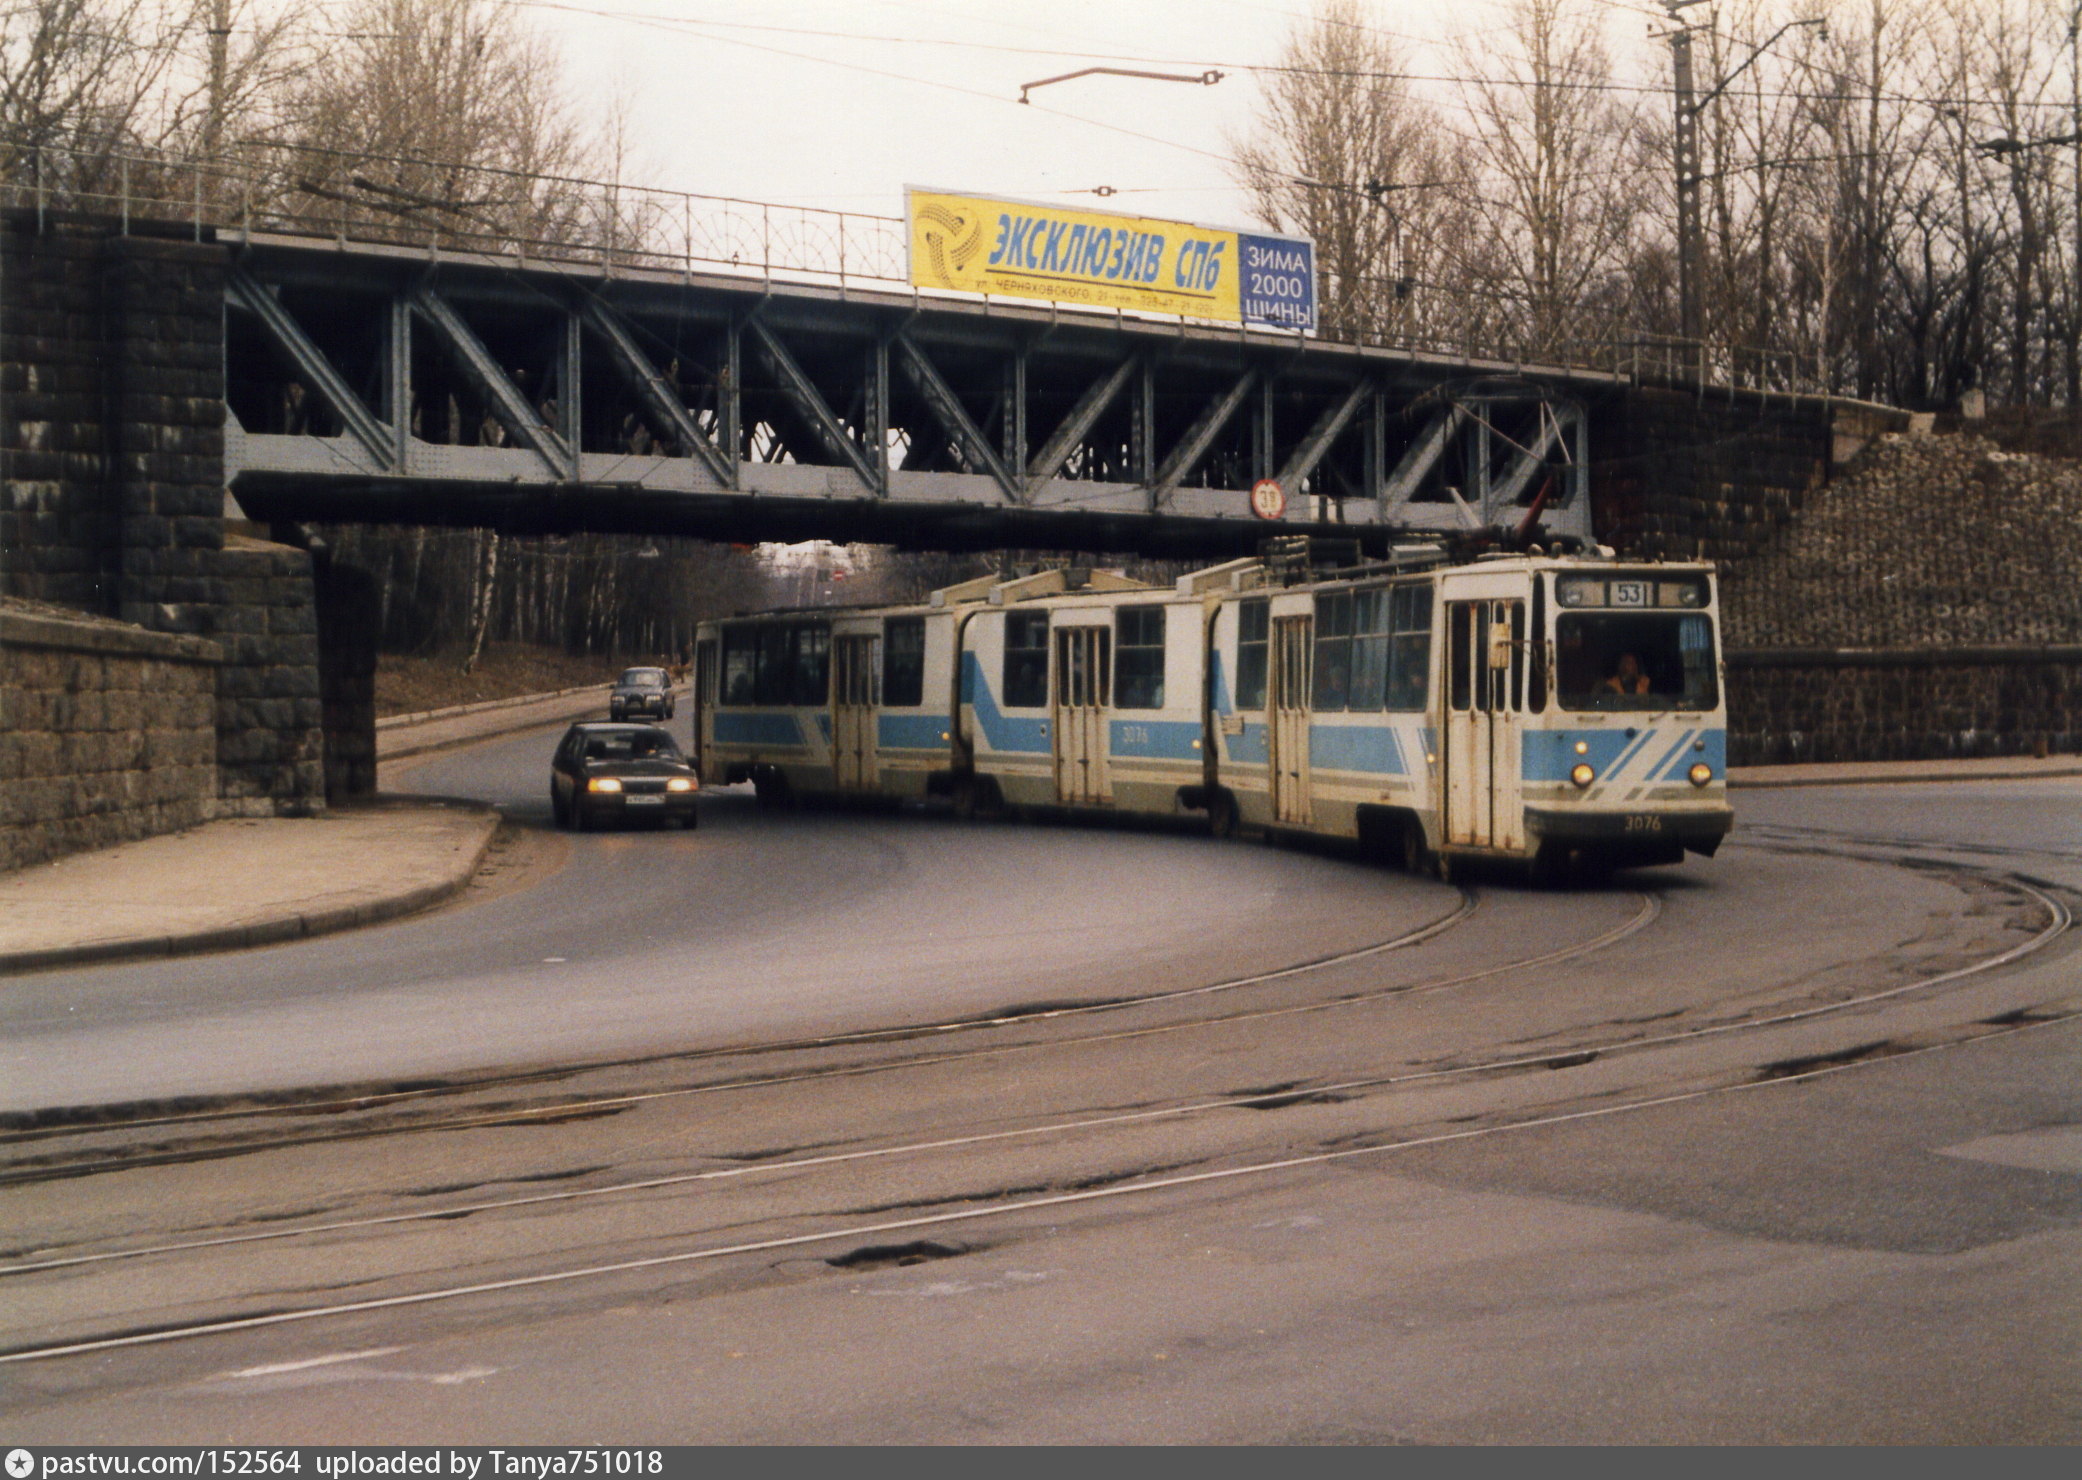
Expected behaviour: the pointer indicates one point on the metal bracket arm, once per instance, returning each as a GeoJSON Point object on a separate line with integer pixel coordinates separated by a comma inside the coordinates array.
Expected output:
{"type": "Point", "coordinates": [802, 391]}
{"type": "Point", "coordinates": [637, 369]}
{"type": "Point", "coordinates": [507, 402]}
{"type": "Point", "coordinates": [1328, 428]}
{"type": "Point", "coordinates": [1199, 438]}
{"type": "Point", "coordinates": [311, 362]}
{"type": "Point", "coordinates": [955, 417]}
{"type": "Point", "coordinates": [1078, 425]}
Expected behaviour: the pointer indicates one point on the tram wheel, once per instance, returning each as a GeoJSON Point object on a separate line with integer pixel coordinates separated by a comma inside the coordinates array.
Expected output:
{"type": "Point", "coordinates": [1222, 821]}
{"type": "Point", "coordinates": [772, 790]}
{"type": "Point", "coordinates": [1416, 855]}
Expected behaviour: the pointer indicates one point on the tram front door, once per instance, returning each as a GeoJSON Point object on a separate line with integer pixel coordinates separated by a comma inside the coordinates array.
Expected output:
{"type": "Point", "coordinates": [1293, 653]}
{"type": "Point", "coordinates": [856, 673]}
{"type": "Point", "coordinates": [1485, 712]}
{"type": "Point", "coordinates": [1083, 671]}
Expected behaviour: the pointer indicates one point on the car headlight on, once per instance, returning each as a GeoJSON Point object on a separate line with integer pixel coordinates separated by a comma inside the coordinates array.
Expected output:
{"type": "Point", "coordinates": [603, 783]}
{"type": "Point", "coordinates": [1701, 774]}
{"type": "Point", "coordinates": [1583, 775]}
{"type": "Point", "coordinates": [679, 783]}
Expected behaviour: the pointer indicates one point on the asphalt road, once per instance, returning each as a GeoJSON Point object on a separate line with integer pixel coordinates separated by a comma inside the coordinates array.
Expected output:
{"type": "Point", "coordinates": [1743, 1151]}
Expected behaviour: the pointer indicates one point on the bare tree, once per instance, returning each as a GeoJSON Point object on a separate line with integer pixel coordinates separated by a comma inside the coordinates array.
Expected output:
{"type": "Point", "coordinates": [1346, 154]}
{"type": "Point", "coordinates": [437, 118]}
{"type": "Point", "coordinates": [1561, 199]}
{"type": "Point", "coordinates": [78, 79]}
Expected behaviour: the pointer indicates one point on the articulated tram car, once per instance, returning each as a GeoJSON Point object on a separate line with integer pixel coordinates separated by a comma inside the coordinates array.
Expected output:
{"type": "Point", "coordinates": [1545, 709]}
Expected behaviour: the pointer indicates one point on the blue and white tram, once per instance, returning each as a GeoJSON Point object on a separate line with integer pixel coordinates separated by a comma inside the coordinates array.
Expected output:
{"type": "Point", "coordinates": [1519, 707]}
{"type": "Point", "coordinates": [1541, 709]}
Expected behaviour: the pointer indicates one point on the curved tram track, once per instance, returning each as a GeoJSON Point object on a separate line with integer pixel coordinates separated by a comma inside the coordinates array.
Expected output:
{"type": "Point", "coordinates": [1093, 1117]}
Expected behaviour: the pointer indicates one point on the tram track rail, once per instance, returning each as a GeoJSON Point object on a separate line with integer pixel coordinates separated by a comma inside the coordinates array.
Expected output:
{"type": "Point", "coordinates": [854, 1232]}
{"type": "Point", "coordinates": [2058, 921]}
{"type": "Point", "coordinates": [1572, 1047]}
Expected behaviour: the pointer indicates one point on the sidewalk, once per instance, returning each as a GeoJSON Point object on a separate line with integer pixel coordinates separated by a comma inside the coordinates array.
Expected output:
{"type": "Point", "coordinates": [240, 882]}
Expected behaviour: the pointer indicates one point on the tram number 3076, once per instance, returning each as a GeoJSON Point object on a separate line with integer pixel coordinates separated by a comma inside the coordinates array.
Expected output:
{"type": "Point", "coordinates": [1643, 822]}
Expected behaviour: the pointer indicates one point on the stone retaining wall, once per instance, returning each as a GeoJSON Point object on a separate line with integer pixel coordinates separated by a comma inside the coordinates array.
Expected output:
{"type": "Point", "coordinates": [1902, 704]}
{"type": "Point", "coordinates": [108, 733]}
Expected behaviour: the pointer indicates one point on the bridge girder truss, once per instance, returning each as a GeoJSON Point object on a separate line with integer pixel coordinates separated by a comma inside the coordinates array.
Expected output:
{"type": "Point", "coordinates": [376, 385]}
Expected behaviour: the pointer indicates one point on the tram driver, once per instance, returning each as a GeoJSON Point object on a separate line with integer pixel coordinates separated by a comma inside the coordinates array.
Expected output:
{"type": "Point", "coordinates": [1626, 677]}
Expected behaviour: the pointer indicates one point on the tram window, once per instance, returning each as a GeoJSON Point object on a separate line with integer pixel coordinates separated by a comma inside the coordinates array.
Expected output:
{"type": "Point", "coordinates": [903, 662]}
{"type": "Point", "coordinates": [1253, 628]}
{"type": "Point", "coordinates": [1517, 654]}
{"type": "Point", "coordinates": [810, 680]}
{"type": "Point", "coordinates": [1623, 660]}
{"type": "Point", "coordinates": [1409, 646]}
{"type": "Point", "coordinates": [1536, 680]}
{"type": "Point", "coordinates": [1333, 652]}
{"type": "Point", "coordinates": [740, 664]}
{"type": "Point", "coordinates": [1369, 648]}
{"type": "Point", "coordinates": [1466, 655]}
{"type": "Point", "coordinates": [770, 684]}
{"type": "Point", "coordinates": [1138, 664]}
{"type": "Point", "coordinates": [1024, 682]}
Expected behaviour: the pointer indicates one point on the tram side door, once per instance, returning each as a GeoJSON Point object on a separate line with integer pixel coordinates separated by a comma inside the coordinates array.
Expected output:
{"type": "Point", "coordinates": [856, 675]}
{"type": "Point", "coordinates": [1293, 666]}
{"type": "Point", "coordinates": [1083, 669]}
{"type": "Point", "coordinates": [705, 682]}
{"type": "Point", "coordinates": [1485, 723]}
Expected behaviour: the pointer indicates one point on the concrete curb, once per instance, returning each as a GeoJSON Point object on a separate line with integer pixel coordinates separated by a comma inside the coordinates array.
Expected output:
{"type": "Point", "coordinates": [298, 925]}
{"type": "Point", "coordinates": [482, 706]}
{"type": "Point", "coordinates": [1865, 777]}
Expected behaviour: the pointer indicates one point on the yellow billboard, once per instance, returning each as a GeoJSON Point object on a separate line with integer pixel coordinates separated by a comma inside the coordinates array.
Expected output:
{"type": "Point", "coordinates": [1022, 249]}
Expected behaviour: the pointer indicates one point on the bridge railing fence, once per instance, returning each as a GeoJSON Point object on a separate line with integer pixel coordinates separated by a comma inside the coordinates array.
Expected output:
{"type": "Point", "coordinates": [345, 197]}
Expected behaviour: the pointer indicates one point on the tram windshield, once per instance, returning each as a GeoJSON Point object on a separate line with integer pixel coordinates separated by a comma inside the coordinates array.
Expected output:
{"type": "Point", "coordinates": [1635, 660]}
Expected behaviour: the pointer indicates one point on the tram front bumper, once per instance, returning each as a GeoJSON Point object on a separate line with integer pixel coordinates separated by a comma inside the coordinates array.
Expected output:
{"type": "Point", "coordinates": [1665, 833]}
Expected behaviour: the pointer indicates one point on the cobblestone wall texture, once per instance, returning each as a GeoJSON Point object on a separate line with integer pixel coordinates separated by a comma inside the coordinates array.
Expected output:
{"type": "Point", "coordinates": [108, 733]}
{"type": "Point", "coordinates": [112, 499]}
{"type": "Point", "coordinates": [1678, 476]}
{"type": "Point", "coordinates": [1956, 567]}
{"type": "Point", "coordinates": [1782, 713]}
{"type": "Point", "coordinates": [1922, 542]}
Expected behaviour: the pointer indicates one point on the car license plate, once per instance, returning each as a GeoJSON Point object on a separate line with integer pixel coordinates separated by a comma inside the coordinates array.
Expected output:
{"type": "Point", "coordinates": [643, 801]}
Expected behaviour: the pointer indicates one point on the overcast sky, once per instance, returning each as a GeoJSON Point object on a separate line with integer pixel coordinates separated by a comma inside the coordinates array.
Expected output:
{"type": "Point", "coordinates": [841, 103]}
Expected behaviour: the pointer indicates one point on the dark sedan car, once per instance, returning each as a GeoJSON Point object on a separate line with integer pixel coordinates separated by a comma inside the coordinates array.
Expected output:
{"type": "Point", "coordinates": [641, 691]}
{"type": "Point", "coordinates": [616, 773]}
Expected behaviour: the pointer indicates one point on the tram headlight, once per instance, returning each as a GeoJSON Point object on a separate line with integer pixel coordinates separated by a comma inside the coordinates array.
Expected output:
{"type": "Point", "coordinates": [603, 783]}
{"type": "Point", "coordinates": [1701, 774]}
{"type": "Point", "coordinates": [1583, 775]}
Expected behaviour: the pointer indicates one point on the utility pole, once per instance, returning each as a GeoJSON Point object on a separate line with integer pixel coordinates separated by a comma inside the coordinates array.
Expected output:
{"type": "Point", "coordinates": [220, 45]}
{"type": "Point", "coordinates": [1685, 147]}
{"type": "Point", "coordinates": [1691, 250]}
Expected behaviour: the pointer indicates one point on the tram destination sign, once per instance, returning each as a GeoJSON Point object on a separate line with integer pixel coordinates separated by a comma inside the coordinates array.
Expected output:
{"type": "Point", "coordinates": [1027, 249]}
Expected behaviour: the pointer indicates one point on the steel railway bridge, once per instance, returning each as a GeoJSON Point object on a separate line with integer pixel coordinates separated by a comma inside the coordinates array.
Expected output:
{"type": "Point", "coordinates": [402, 384]}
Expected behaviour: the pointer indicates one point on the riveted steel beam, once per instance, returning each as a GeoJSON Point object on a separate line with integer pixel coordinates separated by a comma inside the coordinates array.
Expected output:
{"type": "Point", "coordinates": [1199, 437]}
{"type": "Point", "coordinates": [1528, 459]}
{"type": "Point", "coordinates": [955, 417]}
{"type": "Point", "coordinates": [657, 396]}
{"type": "Point", "coordinates": [312, 364]}
{"type": "Point", "coordinates": [1423, 455]}
{"type": "Point", "coordinates": [492, 382]}
{"type": "Point", "coordinates": [1328, 428]}
{"type": "Point", "coordinates": [1076, 426]}
{"type": "Point", "coordinates": [803, 394]}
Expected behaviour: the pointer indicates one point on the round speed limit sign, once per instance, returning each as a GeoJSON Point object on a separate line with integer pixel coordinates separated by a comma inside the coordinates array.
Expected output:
{"type": "Point", "coordinates": [1268, 499]}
